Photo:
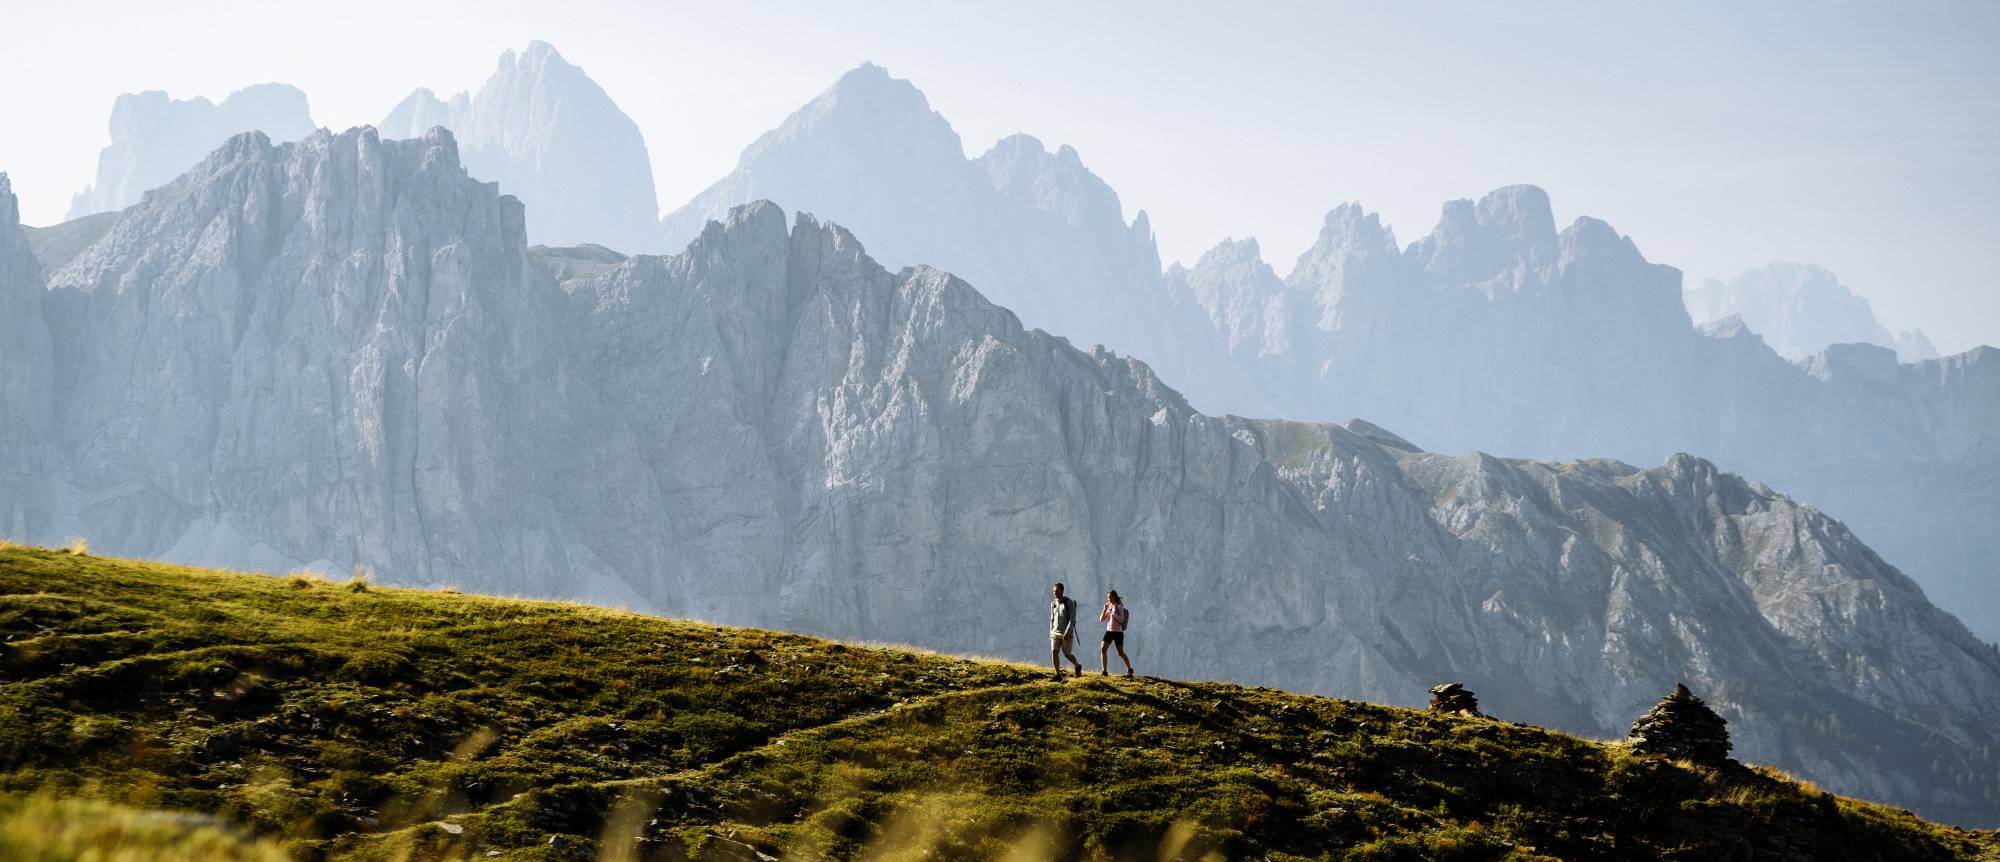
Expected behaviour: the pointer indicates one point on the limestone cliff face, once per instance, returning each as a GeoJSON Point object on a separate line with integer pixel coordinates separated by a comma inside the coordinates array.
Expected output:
{"type": "Point", "coordinates": [550, 136]}
{"type": "Point", "coordinates": [295, 353]}
{"type": "Point", "coordinates": [27, 405]}
{"type": "Point", "coordinates": [341, 351]}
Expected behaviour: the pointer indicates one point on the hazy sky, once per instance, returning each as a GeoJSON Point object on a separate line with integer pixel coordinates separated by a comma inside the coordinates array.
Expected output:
{"type": "Point", "coordinates": [1862, 136]}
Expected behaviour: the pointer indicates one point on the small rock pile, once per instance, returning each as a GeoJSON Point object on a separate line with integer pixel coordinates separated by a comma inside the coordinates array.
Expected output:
{"type": "Point", "coordinates": [1451, 698]}
{"type": "Point", "coordinates": [1681, 726]}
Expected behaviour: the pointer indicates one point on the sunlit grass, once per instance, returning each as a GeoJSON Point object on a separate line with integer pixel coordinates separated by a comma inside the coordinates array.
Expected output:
{"type": "Point", "coordinates": [43, 827]}
{"type": "Point", "coordinates": [378, 723]}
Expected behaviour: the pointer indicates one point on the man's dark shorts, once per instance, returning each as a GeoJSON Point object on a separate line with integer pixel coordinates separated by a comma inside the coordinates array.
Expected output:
{"type": "Point", "coordinates": [1115, 638]}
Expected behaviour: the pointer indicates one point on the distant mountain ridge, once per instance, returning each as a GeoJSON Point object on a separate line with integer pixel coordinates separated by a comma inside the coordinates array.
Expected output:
{"type": "Point", "coordinates": [1496, 331]}
{"type": "Point", "coordinates": [1800, 310]}
{"type": "Point", "coordinates": [343, 351]}
{"type": "Point", "coordinates": [155, 138]}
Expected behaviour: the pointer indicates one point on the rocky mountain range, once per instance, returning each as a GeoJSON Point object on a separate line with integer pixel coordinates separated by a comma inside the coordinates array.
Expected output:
{"type": "Point", "coordinates": [1040, 233]}
{"type": "Point", "coordinates": [1799, 310]}
{"type": "Point", "coordinates": [344, 351]}
{"type": "Point", "coordinates": [1496, 331]}
{"type": "Point", "coordinates": [553, 138]}
{"type": "Point", "coordinates": [155, 138]}
{"type": "Point", "coordinates": [1435, 341]}
{"type": "Point", "coordinates": [539, 126]}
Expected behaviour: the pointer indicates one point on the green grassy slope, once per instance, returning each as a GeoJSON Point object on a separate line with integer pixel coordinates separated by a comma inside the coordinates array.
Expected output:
{"type": "Point", "coordinates": [349, 721]}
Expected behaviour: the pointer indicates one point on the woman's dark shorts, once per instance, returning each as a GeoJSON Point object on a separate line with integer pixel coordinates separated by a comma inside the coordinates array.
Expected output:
{"type": "Point", "coordinates": [1115, 638]}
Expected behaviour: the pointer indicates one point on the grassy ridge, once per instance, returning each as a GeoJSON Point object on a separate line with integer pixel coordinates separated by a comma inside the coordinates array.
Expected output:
{"type": "Point", "coordinates": [342, 720]}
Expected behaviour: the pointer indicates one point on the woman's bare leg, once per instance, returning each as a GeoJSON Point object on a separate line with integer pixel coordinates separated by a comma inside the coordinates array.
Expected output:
{"type": "Point", "coordinates": [1127, 661]}
{"type": "Point", "coordinates": [1104, 660]}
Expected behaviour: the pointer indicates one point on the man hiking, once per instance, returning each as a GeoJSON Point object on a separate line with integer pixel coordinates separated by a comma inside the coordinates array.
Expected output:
{"type": "Point", "coordinates": [1062, 631]}
{"type": "Point", "coordinates": [1115, 618]}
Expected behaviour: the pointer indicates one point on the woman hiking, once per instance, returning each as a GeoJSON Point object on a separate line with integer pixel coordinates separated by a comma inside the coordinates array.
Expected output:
{"type": "Point", "coordinates": [1115, 618]}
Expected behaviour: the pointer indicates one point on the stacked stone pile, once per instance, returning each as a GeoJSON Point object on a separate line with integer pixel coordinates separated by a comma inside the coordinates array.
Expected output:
{"type": "Point", "coordinates": [1681, 726]}
{"type": "Point", "coordinates": [1452, 698]}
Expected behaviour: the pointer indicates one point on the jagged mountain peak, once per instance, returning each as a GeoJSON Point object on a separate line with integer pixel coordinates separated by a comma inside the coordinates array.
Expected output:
{"type": "Point", "coordinates": [1591, 237]}
{"type": "Point", "coordinates": [1021, 168]}
{"type": "Point", "coordinates": [1354, 257]}
{"type": "Point", "coordinates": [1232, 251]}
{"type": "Point", "coordinates": [1036, 230]}
{"type": "Point", "coordinates": [1349, 228]}
{"type": "Point", "coordinates": [1022, 145]}
{"type": "Point", "coordinates": [252, 197]}
{"type": "Point", "coordinates": [1521, 212]}
{"type": "Point", "coordinates": [867, 99]}
{"type": "Point", "coordinates": [1381, 436]}
{"type": "Point", "coordinates": [536, 54]}
{"type": "Point", "coordinates": [1509, 230]}
{"type": "Point", "coordinates": [1240, 295]}
{"type": "Point", "coordinates": [549, 134]}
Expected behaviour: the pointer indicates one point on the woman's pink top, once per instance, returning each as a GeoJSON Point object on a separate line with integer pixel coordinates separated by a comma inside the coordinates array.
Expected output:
{"type": "Point", "coordinates": [1116, 615]}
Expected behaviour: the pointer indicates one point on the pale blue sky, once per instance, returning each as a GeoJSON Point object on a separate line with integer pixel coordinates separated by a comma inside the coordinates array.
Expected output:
{"type": "Point", "coordinates": [1861, 136]}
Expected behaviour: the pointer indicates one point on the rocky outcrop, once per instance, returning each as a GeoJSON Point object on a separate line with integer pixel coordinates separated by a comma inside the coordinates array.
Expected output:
{"type": "Point", "coordinates": [1800, 310]}
{"type": "Point", "coordinates": [342, 351]}
{"type": "Point", "coordinates": [552, 138]}
{"type": "Point", "coordinates": [155, 138]}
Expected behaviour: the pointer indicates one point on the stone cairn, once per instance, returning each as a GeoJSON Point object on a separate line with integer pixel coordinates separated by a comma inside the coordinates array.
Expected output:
{"type": "Point", "coordinates": [1681, 726]}
{"type": "Point", "coordinates": [1451, 698]}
